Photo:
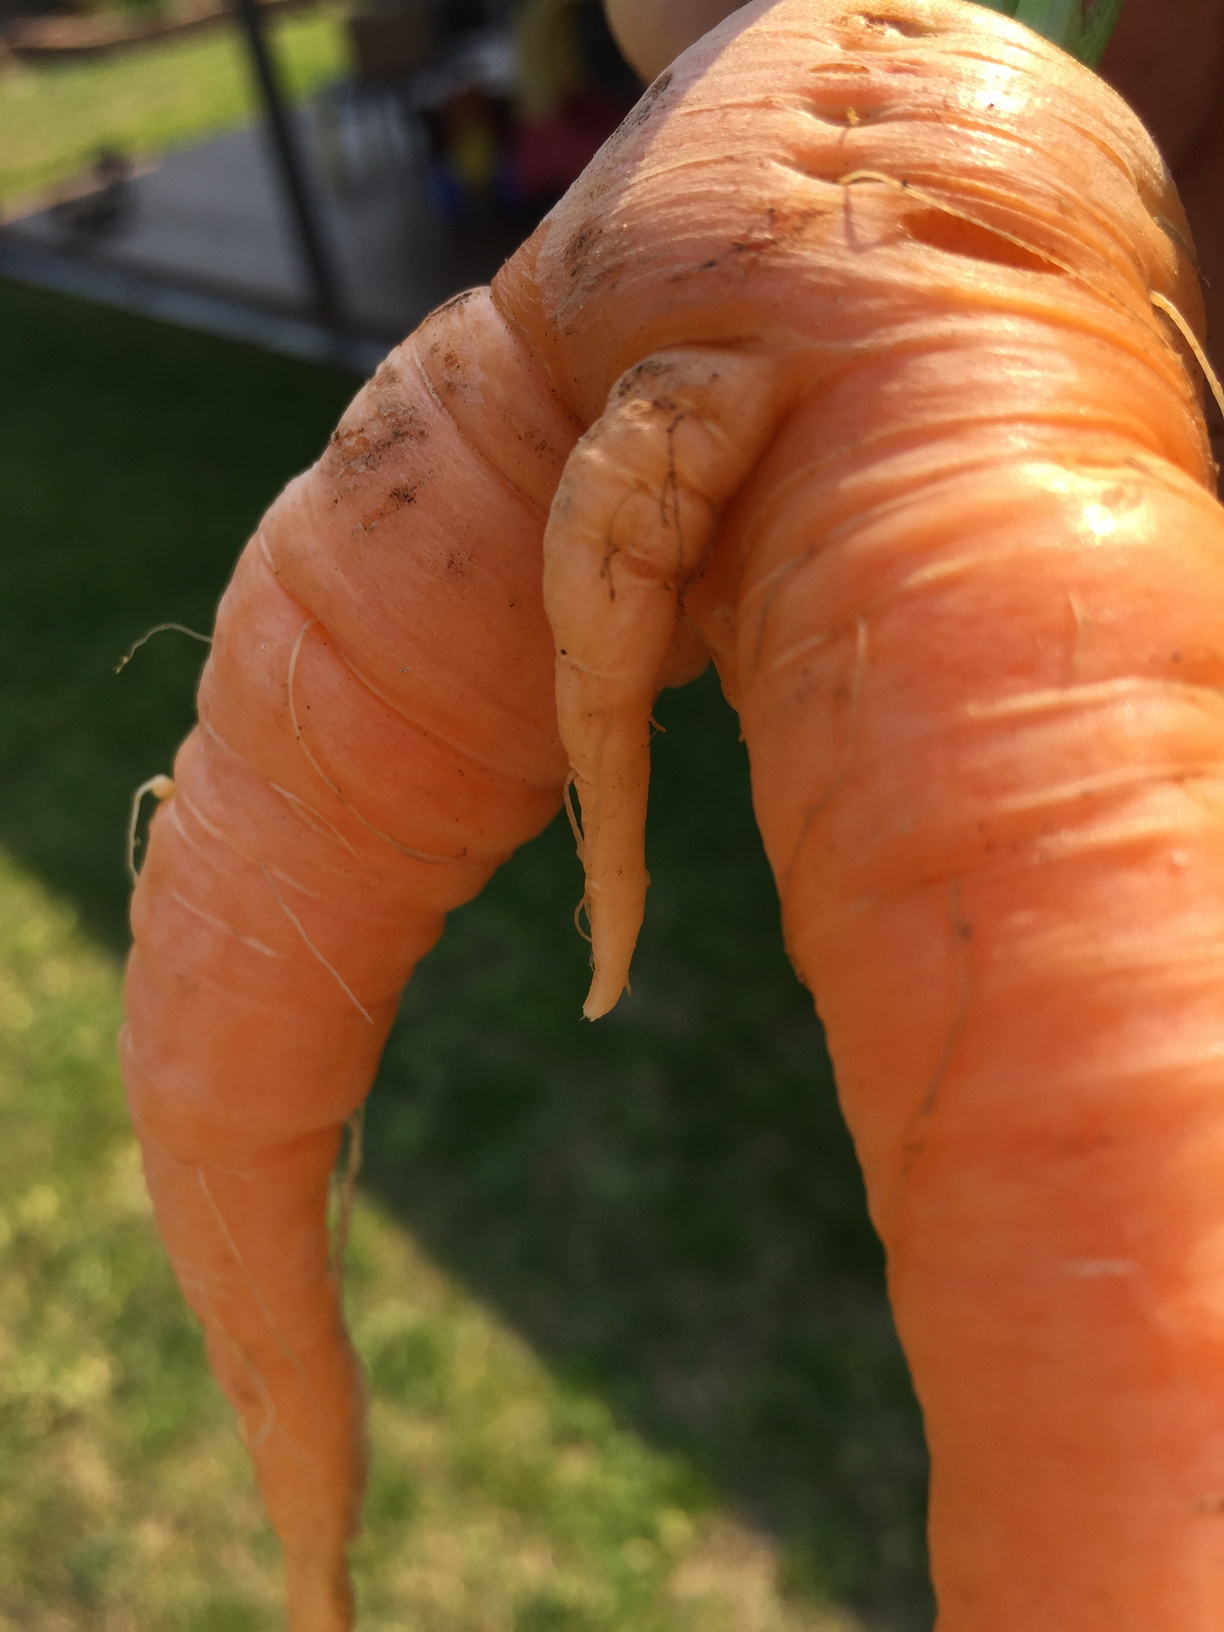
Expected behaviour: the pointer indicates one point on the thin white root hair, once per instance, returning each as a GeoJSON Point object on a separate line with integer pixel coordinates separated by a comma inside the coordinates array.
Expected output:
{"type": "Point", "coordinates": [1187, 333]}
{"type": "Point", "coordinates": [161, 787]}
{"type": "Point", "coordinates": [220, 923]}
{"type": "Point", "coordinates": [311, 947]}
{"type": "Point", "coordinates": [265, 1309]}
{"type": "Point", "coordinates": [581, 911]}
{"type": "Point", "coordinates": [571, 810]}
{"type": "Point", "coordinates": [157, 629]}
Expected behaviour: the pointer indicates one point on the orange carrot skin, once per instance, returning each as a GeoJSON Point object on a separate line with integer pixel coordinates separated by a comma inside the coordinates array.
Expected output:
{"type": "Point", "coordinates": [1032, 1070]}
{"type": "Point", "coordinates": [969, 604]}
{"type": "Point", "coordinates": [967, 600]}
{"type": "Point", "coordinates": [353, 777]}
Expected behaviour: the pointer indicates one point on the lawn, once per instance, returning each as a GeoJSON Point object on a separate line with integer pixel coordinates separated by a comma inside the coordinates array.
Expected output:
{"type": "Point", "coordinates": [622, 1311]}
{"type": "Point", "coordinates": [147, 100]}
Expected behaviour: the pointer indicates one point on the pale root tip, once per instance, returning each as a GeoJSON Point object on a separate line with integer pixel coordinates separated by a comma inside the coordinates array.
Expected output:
{"type": "Point", "coordinates": [604, 995]}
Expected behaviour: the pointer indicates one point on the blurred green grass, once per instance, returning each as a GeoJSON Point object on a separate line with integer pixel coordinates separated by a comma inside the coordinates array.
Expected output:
{"type": "Point", "coordinates": [147, 100]}
{"type": "Point", "coordinates": [499, 1497]}
{"type": "Point", "coordinates": [622, 1308]}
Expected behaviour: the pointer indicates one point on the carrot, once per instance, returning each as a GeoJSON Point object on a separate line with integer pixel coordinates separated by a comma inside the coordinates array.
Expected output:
{"type": "Point", "coordinates": [855, 360]}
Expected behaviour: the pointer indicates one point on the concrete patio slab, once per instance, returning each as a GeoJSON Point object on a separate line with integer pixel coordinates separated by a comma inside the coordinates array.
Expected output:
{"type": "Point", "coordinates": [210, 222]}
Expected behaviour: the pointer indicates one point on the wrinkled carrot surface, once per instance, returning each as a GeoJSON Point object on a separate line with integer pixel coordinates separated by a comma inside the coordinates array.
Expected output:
{"type": "Point", "coordinates": [840, 364]}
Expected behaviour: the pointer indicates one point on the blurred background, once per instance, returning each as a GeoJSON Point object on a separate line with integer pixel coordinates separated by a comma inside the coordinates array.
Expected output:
{"type": "Point", "coordinates": [630, 1359]}
{"type": "Point", "coordinates": [350, 167]}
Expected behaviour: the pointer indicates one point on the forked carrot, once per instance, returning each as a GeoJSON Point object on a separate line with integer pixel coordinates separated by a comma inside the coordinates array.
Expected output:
{"type": "Point", "coordinates": [854, 361]}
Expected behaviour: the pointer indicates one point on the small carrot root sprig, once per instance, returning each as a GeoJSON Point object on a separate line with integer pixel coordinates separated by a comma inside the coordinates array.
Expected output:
{"type": "Point", "coordinates": [921, 464]}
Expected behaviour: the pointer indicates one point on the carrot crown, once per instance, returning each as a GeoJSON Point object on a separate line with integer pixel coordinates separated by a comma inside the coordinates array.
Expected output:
{"type": "Point", "coordinates": [1081, 27]}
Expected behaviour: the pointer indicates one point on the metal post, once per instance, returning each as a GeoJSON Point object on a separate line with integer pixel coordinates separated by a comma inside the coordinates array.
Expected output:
{"type": "Point", "coordinates": [307, 227]}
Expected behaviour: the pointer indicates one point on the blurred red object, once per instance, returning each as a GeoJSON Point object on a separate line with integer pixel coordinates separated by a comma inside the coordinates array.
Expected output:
{"type": "Point", "coordinates": [548, 154]}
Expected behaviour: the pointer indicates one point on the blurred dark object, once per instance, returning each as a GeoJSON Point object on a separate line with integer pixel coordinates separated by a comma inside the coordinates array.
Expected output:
{"type": "Point", "coordinates": [296, 182]}
{"type": "Point", "coordinates": [104, 203]}
{"type": "Point", "coordinates": [502, 104]}
{"type": "Point", "coordinates": [364, 136]}
{"type": "Point", "coordinates": [603, 66]}
{"type": "Point", "coordinates": [550, 153]}
{"type": "Point", "coordinates": [465, 105]}
{"type": "Point", "coordinates": [391, 43]}
{"type": "Point", "coordinates": [1167, 59]}
{"type": "Point", "coordinates": [1168, 62]}
{"type": "Point", "coordinates": [455, 18]}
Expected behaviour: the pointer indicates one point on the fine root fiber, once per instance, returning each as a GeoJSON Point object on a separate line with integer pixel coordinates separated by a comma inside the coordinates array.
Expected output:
{"type": "Point", "coordinates": [157, 629]}
{"type": "Point", "coordinates": [161, 787]}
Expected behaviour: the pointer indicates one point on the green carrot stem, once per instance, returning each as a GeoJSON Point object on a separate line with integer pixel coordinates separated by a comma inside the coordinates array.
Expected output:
{"type": "Point", "coordinates": [1081, 27]}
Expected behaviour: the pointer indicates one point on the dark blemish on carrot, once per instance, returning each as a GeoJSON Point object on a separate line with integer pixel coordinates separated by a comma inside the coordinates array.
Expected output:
{"type": "Point", "coordinates": [781, 228]}
{"type": "Point", "coordinates": [453, 363]}
{"type": "Point", "coordinates": [395, 500]}
{"type": "Point", "coordinates": [576, 249]}
{"type": "Point", "coordinates": [460, 299]}
{"type": "Point", "coordinates": [648, 368]}
{"type": "Point", "coordinates": [605, 568]}
{"type": "Point", "coordinates": [362, 448]}
{"type": "Point", "coordinates": [642, 109]}
{"type": "Point", "coordinates": [384, 374]}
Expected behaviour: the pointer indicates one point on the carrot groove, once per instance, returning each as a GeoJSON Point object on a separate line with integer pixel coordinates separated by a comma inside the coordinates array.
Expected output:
{"type": "Point", "coordinates": [846, 364]}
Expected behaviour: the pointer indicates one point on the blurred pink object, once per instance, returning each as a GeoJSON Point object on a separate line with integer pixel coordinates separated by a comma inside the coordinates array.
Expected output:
{"type": "Point", "coordinates": [549, 154]}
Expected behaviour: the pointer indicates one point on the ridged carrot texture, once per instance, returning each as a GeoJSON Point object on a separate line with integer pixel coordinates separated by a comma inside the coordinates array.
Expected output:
{"type": "Point", "coordinates": [864, 315]}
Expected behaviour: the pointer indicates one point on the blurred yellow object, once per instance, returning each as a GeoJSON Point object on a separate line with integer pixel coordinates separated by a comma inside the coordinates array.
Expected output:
{"type": "Point", "coordinates": [474, 152]}
{"type": "Point", "coordinates": [549, 62]}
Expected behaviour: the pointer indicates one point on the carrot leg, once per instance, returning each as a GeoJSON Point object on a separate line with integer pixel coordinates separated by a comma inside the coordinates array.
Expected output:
{"type": "Point", "coordinates": [630, 528]}
{"type": "Point", "coordinates": [251, 1254]}
{"type": "Point", "coordinates": [987, 743]}
{"type": "Point", "coordinates": [361, 766]}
